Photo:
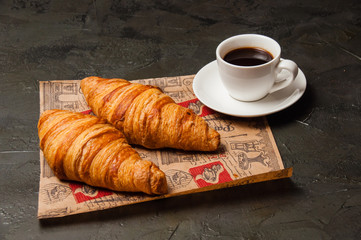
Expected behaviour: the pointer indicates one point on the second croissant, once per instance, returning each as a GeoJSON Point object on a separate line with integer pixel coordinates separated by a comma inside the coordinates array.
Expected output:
{"type": "Point", "coordinates": [147, 116]}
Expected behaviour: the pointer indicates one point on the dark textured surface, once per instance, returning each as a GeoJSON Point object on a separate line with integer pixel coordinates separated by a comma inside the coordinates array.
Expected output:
{"type": "Point", "coordinates": [319, 136]}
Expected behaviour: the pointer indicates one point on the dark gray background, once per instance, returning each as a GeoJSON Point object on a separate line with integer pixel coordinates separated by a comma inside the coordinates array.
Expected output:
{"type": "Point", "coordinates": [319, 136]}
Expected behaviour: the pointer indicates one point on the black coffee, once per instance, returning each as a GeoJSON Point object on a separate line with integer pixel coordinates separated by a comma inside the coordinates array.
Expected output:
{"type": "Point", "coordinates": [248, 56]}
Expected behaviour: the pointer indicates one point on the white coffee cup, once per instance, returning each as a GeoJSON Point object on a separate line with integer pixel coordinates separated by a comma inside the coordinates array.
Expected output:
{"type": "Point", "coordinates": [251, 83]}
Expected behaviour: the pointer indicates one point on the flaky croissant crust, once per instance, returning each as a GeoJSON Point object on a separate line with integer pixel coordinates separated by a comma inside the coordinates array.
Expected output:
{"type": "Point", "coordinates": [84, 148]}
{"type": "Point", "coordinates": [147, 116]}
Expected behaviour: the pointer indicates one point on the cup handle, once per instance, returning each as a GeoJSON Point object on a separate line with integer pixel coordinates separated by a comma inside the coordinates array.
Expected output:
{"type": "Point", "coordinates": [281, 83]}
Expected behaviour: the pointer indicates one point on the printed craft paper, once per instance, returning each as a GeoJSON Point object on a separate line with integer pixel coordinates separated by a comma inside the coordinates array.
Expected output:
{"type": "Point", "coordinates": [248, 154]}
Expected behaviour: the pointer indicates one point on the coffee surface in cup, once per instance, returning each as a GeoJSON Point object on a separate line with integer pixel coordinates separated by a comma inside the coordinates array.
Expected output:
{"type": "Point", "coordinates": [248, 56]}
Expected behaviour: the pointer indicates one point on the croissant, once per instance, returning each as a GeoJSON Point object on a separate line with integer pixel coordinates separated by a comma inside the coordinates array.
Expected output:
{"type": "Point", "coordinates": [147, 116]}
{"type": "Point", "coordinates": [85, 148]}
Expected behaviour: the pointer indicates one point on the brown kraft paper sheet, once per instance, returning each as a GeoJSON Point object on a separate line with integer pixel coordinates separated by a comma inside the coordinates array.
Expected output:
{"type": "Point", "coordinates": [248, 154]}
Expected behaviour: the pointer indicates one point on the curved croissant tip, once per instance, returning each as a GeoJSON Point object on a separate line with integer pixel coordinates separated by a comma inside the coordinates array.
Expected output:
{"type": "Point", "coordinates": [214, 140]}
{"type": "Point", "coordinates": [158, 181]}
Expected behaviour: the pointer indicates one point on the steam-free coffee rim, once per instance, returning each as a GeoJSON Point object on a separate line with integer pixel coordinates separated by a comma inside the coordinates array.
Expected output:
{"type": "Point", "coordinates": [208, 88]}
{"type": "Point", "coordinates": [222, 49]}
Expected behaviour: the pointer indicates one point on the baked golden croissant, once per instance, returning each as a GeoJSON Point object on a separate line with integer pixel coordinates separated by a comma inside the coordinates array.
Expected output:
{"type": "Point", "coordinates": [147, 116]}
{"type": "Point", "coordinates": [86, 149]}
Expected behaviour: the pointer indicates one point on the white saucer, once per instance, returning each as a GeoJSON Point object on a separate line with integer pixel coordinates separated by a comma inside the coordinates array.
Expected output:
{"type": "Point", "coordinates": [210, 91]}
